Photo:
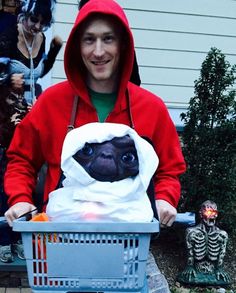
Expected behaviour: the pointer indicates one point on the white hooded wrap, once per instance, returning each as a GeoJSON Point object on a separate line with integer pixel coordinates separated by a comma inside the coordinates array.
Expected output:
{"type": "Point", "coordinates": [83, 198]}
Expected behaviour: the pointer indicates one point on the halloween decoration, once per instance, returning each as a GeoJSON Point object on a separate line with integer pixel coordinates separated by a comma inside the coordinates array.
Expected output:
{"type": "Point", "coordinates": [206, 247]}
{"type": "Point", "coordinates": [107, 169]}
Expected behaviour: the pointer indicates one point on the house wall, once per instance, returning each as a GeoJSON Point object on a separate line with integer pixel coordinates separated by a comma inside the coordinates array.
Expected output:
{"type": "Point", "coordinates": [172, 39]}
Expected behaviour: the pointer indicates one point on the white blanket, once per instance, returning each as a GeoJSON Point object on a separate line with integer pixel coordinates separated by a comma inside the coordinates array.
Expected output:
{"type": "Point", "coordinates": [83, 198]}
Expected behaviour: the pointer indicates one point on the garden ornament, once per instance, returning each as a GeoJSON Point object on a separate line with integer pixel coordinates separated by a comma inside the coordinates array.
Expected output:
{"type": "Point", "coordinates": [206, 248]}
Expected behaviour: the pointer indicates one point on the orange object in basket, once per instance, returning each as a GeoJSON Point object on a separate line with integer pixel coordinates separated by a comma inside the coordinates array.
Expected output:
{"type": "Point", "coordinates": [41, 217]}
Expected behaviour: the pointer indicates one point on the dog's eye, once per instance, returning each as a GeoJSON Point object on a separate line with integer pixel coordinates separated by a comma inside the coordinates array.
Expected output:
{"type": "Point", "coordinates": [87, 150]}
{"type": "Point", "coordinates": [128, 157]}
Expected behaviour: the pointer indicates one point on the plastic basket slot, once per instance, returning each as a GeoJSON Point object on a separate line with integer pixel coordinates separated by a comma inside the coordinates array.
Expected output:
{"type": "Point", "coordinates": [39, 266]}
{"type": "Point", "coordinates": [132, 262]}
{"type": "Point", "coordinates": [82, 256]}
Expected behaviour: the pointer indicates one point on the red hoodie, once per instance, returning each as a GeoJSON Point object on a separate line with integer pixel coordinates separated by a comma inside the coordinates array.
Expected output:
{"type": "Point", "coordinates": [39, 137]}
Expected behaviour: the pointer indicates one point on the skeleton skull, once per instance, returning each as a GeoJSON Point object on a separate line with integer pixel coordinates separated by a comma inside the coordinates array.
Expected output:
{"type": "Point", "coordinates": [209, 213]}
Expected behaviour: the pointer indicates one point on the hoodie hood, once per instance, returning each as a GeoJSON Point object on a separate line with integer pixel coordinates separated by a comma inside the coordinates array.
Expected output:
{"type": "Point", "coordinates": [83, 196]}
{"type": "Point", "coordinates": [72, 61]}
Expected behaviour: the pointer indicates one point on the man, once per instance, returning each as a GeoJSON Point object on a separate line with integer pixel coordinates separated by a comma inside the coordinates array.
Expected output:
{"type": "Point", "coordinates": [98, 62]}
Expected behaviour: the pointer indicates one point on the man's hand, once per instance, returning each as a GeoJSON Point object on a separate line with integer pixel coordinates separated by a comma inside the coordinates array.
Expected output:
{"type": "Point", "coordinates": [18, 210]}
{"type": "Point", "coordinates": [166, 213]}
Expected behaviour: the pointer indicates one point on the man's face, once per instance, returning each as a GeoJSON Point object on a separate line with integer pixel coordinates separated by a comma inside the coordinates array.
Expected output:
{"type": "Point", "coordinates": [100, 46]}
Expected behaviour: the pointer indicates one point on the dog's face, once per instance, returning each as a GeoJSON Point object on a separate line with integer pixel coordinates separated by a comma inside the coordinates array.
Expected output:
{"type": "Point", "coordinates": [111, 160]}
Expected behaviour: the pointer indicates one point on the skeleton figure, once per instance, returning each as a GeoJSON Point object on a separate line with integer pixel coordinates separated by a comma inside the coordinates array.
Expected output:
{"type": "Point", "coordinates": [206, 245]}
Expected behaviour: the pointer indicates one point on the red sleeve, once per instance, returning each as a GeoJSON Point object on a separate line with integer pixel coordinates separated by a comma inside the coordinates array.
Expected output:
{"type": "Point", "coordinates": [24, 161]}
{"type": "Point", "coordinates": [171, 161]}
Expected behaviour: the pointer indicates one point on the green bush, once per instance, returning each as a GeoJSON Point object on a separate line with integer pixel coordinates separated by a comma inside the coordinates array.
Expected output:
{"type": "Point", "coordinates": [209, 140]}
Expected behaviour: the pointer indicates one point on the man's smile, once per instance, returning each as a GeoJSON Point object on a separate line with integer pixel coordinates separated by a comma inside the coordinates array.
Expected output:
{"type": "Point", "coordinates": [100, 62]}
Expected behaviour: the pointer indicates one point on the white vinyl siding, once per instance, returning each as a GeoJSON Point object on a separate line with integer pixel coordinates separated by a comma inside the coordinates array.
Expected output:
{"type": "Point", "coordinates": [172, 38]}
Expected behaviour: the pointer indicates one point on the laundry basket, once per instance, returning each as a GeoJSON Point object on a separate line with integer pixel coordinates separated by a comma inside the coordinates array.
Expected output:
{"type": "Point", "coordinates": [94, 257]}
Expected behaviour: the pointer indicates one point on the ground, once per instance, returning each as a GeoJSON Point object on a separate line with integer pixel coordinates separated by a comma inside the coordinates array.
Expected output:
{"type": "Point", "coordinates": [170, 253]}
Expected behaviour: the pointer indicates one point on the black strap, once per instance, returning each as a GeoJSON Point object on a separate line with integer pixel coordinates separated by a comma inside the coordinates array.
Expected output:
{"type": "Point", "coordinates": [73, 114]}
{"type": "Point", "coordinates": [129, 109]}
{"type": "Point", "coordinates": [70, 127]}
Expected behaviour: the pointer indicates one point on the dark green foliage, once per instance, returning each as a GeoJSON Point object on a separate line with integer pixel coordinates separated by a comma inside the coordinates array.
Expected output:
{"type": "Point", "coordinates": [209, 140]}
